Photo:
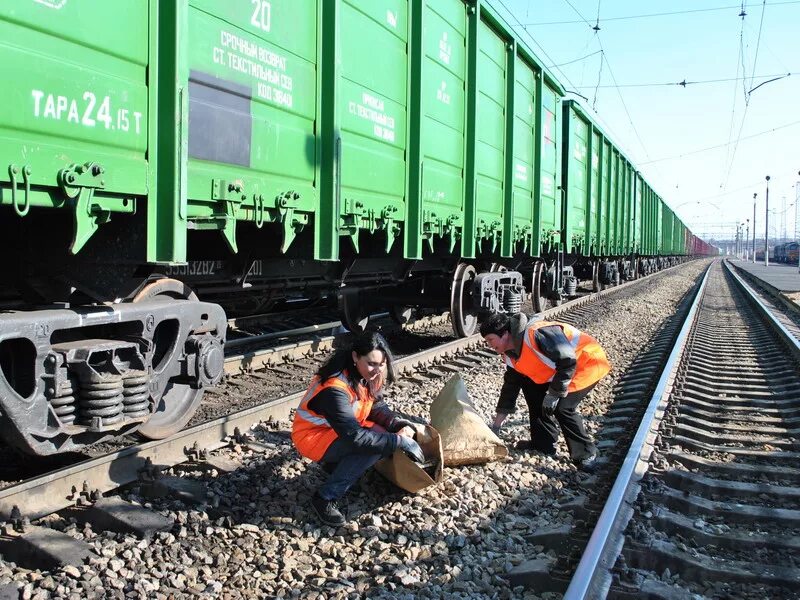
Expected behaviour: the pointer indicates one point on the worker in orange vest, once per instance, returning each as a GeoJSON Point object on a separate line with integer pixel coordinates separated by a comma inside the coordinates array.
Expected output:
{"type": "Point", "coordinates": [556, 366]}
{"type": "Point", "coordinates": [344, 424]}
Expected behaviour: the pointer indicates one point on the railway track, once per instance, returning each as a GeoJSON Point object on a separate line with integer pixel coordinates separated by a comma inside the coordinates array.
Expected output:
{"type": "Point", "coordinates": [84, 484]}
{"type": "Point", "coordinates": [56, 490]}
{"type": "Point", "coordinates": [706, 501]}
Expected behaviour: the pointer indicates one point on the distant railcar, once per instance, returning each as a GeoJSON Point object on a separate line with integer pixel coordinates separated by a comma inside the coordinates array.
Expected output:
{"type": "Point", "coordinates": [790, 253]}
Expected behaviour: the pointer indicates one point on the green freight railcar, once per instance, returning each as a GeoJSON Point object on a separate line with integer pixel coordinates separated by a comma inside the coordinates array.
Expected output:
{"type": "Point", "coordinates": [84, 168]}
{"type": "Point", "coordinates": [651, 229]}
{"type": "Point", "coordinates": [430, 134]}
{"type": "Point", "coordinates": [603, 203]}
{"type": "Point", "coordinates": [667, 230]}
{"type": "Point", "coordinates": [251, 153]}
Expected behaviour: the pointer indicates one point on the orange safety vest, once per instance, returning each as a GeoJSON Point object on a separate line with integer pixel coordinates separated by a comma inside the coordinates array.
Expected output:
{"type": "Point", "coordinates": [311, 433]}
{"type": "Point", "coordinates": [592, 364]}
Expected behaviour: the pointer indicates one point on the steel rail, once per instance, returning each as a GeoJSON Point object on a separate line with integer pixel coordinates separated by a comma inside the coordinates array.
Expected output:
{"type": "Point", "coordinates": [793, 342]}
{"type": "Point", "coordinates": [287, 333]}
{"type": "Point", "coordinates": [268, 357]}
{"type": "Point", "coordinates": [54, 491]}
{"type": "Point", "coordinates": [592, 577]}
{"type": "Point", "coordinates": [263, 337]}
{"type": "Point", "coordinates": [261, 359]}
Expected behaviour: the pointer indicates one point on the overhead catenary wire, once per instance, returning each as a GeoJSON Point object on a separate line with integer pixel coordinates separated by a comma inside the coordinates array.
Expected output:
{"type": "Point", "coordinates": [596, 29]}
{"type": "Point", "coordinates": [564, 64]}
{"type": "Point", "coordinates": [747, 93]}
{"type": "Point", "coordinates": [597, 21]}
{"type": "Point", "coordinates": [599, 78]}
{"type": "Point", "coordinates": [708, 148]}
{"type": "Point", "coordinates": [622, 100]}
{"type": "Point", "coordinates": [604, 59]}
{"type": "Point", "coordinates": [684, 83]}
{"type": "Point", "coordinates": [758, 45]}
{"type": "Point", "coordinates": [577, 12]}
{"type": "Point", "coordinates": [654, 15]}
{"type": "Point", "coordinates": [537, 44]}
{"type": "Point", "coordinates": [740, 64]}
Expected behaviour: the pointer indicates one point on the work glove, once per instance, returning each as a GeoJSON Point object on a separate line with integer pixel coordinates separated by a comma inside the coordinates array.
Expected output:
{"type": "Point", "coordinates": [398, 424]}
{"type": "Point", "coordinates": [411, 448]}
{"type": "Point", "coordinates": [497, 425]}
{"type": "Point", "coordinates": [549, 405]}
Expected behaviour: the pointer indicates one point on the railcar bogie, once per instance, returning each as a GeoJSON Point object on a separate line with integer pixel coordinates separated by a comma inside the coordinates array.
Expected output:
{"type": "Point", "coordinates": [73, 376]}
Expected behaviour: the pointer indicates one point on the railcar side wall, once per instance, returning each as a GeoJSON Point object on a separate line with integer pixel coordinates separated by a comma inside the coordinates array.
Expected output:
{"type": "Point", "coordinates": [312, 126]}
{"type": "Point", "coordinates": [411, 120]}
{"type": "Point", "coordinates": [76, 109]}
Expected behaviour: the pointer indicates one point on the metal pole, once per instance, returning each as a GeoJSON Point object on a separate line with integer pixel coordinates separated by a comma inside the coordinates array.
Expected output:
{"type": "Point", "coordinates": [746, 242]}
{"type": "Point", "coordinates": [754, 226]}
{"type": "Point", "coordinates": [739, 233]}
{"type": "Point", "coordinates": [783, 217]}
{"type": "Point", "coordinates": [766, 227]}
{"type": "Point", "coordinates": [796, 210]}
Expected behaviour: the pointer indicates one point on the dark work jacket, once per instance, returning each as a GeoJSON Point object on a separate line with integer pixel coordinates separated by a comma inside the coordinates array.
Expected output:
{"type": "Point", "coordinates": [334, 405]}
{"type": "Point", "coordinates": [554, 345]}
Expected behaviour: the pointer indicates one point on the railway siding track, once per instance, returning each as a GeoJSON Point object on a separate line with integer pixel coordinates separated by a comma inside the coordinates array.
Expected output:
{"type": "Point", "coordinates": [706, 504]}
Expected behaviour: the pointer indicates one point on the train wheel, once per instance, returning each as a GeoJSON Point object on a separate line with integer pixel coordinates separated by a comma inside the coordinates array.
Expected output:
{"type": "Point", "coordinates": [174, 410]}
{"type": "Point", "coordinates": [541, 301]}
{"type": "Point", "coordinates": [351, 312]}
{"type": "Point", "coordinates": [180, 400]}
{"type": "Point", "coordinates": [164, 286]}
{"type": "Point", "coordinates": [597, 281]}
{"type": "Point", "coordinates": [402, 315]}
{"type": "Point", "coordinates": [462, 314]}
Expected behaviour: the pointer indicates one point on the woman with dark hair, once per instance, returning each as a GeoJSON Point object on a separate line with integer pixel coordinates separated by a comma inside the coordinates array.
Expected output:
{"type": "Point", "coordinates": [344, 424]}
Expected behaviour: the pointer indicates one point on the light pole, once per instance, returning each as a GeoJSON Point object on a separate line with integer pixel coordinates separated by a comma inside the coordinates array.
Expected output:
{"type": "Point", "coordinates": [741, 241]}
{"type": "Point", "coordinates": [754, 226]}
{"type": "Point", "coordinates": [746, 240]}
{"type": "Point", "coordinates": [766, 228]}
{"type": "Point", "coordinates": [796, 208]}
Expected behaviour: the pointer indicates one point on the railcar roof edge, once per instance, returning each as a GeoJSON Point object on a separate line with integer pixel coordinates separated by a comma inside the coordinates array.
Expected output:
{"type": "Point", "coordinates": [496, 19]}
{"type": "Point", "coordinates": [581, 110]}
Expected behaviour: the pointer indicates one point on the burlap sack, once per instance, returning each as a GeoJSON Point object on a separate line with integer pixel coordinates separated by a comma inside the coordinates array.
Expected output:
{"type": "Point", "coordinates": [466, 439]}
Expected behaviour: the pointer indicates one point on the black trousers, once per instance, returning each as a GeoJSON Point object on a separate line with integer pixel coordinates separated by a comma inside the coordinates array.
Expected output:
{"type": "Point", "coordinates": [544, 430]}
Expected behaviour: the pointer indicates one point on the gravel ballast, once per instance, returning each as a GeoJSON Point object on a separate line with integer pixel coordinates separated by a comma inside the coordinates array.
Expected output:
{"type": "Point", "coordinates": [257, 537]}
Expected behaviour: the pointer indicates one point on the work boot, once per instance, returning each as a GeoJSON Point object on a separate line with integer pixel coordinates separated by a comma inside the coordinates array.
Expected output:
{"type": "Point", "coordinates": [528, 446]}
{"type": "Point", "coordinates": [327, 511]}
{"type": "Point", "coordinates": [588, 464]}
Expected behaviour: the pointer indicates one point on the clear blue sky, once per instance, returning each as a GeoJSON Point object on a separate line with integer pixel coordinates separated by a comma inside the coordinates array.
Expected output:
{"type": "Point", "coordinates": [661, 127]}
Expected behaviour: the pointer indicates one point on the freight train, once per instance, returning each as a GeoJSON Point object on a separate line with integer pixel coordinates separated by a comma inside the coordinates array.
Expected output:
{"type": "Point", "coordinates": [165, 162]}
{"type": "Point", "coordinates": [786, 253]}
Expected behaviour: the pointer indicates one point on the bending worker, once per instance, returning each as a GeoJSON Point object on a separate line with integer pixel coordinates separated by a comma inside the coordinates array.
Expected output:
{"type": "Point", "coordinates": [344, 424]}
{"type": "Point", "coordinates": [555, 366]}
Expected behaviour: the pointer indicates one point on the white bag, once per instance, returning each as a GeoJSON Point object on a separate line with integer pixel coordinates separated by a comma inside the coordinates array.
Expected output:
{"type": "Point", "coordinates": [466, 439]}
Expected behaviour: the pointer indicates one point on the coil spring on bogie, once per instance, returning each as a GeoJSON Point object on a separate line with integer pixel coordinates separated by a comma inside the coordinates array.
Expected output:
{"type": "Point", "coordinates": [136, 397]}
{"type": "Point", "coordinates": [570, 286]}
{"type": "Point", "coordinates": [512, 302]}
{"type": "Point", "coordinates": [63, 402]}
{"type": "Point", "coordinates": [101, 397]}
